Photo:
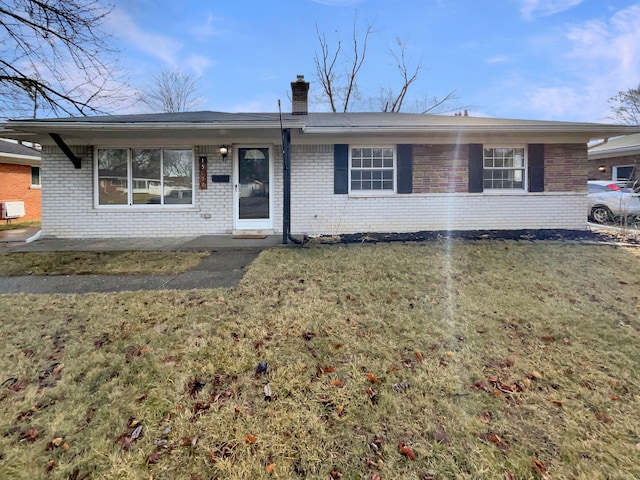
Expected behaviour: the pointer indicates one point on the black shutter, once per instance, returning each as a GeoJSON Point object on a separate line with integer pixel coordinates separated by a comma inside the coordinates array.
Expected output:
{"type": "Point", "coordinates": [340, 168]}
{"type": "Point", "coordinates": [405, 168]}
{"type": "Point", "coordinates": [475, 168]}
{"type": "Point", "coordinates": [536, 167]}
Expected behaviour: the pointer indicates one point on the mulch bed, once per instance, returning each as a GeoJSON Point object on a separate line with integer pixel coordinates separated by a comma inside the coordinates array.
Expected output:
{"type": "Point", "coordinates": [475, 235]}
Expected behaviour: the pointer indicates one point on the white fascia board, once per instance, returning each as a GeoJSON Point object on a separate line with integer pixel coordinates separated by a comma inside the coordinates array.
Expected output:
{"type": "Point", "coordinates": [15, 159]}
{"type": "Point", "coordinates": [615, 152]}
{"type": "Point", "coordinates": [590, 132]}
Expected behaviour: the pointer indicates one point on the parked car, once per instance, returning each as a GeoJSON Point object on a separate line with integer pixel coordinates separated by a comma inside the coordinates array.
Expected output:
{"type": "Point", "coordinates": [610, 203]}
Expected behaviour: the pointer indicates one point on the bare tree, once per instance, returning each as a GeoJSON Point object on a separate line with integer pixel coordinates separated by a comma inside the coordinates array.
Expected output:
{"type": "Point", "coordinates": [625, 106]}
{"type": "Point", "coordinates": [337, 72]}
{"type": "Point", "coordinates": [340, 89]}
{"type": "Point", "coordinates": [54, 58]}
{"type": "Point", "coordinates": [172, 91]}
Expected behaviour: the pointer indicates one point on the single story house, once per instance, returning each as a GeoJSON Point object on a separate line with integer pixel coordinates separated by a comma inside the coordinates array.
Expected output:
{"type": "Point", "coordinates": [20, 194]}
{"type": "Point", "coordinates": [617, 160]}
{"type": "Point", "coordinates": [212, 173]}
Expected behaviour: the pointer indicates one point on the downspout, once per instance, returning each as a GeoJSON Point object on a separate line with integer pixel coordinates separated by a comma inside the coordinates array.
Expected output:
{"type": "Point", "coordinates": [286, 184]}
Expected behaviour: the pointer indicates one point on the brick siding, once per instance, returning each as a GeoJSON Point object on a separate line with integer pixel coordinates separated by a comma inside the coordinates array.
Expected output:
{"type": "Point", "coordinates": [440, 168]}
{"type": "Point", "coordinates": [316, 210]}
{"type": "Point", "coordinates": [440, 201]}
{"type": "Point", "coordinates": [15, 185]}
{"type": "Point", "coordinates": [565, 168]}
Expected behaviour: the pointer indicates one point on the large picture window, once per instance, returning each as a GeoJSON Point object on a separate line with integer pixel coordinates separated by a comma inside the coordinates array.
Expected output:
{"type": "Point", "coordinates": [504, 168]}
{"type": "Point", "coordinates": [144, 176]}
{"type": "Point", "coordinates": [372, 169]}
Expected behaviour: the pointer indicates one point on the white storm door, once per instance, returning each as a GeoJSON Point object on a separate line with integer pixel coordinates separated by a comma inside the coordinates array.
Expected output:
{"type": "Point", "coordinates": [252, 189]}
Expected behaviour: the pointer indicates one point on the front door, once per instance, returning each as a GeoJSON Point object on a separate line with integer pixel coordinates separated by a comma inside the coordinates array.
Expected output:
{"type": "Point", "coordinates": [253, 177]}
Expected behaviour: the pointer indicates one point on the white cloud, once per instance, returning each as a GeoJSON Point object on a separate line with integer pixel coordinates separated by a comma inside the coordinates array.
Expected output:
{"type": "Point", "coordinates": [150, 43]}
{"type": "Point", "coordinates": [589, 63]}
{"type": "Point", "coordinates": [207, 29]}
{"type": "Point", "coordinates": [499, 59]}
{"type": "Point", "coordinates": [545, 8]}
{"type": "Point", "coordinates": [198, 63]}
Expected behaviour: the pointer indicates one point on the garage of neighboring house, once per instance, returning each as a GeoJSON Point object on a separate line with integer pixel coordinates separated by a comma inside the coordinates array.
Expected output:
{"type": "Point", "coordinates": [618, 160]}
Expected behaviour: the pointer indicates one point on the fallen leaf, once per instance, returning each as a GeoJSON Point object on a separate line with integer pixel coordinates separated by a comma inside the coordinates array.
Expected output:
{"type": "Point", "coordinates": [338, 382]}
{"type": "Point", "coordinates": [509, 476]}
{"type": "Point", "coordinates": [614, 397]}
{"type": "Point", "coordinates": [373, 395]}
{"type": "Point", "coordinates": [419, 355]}
{"type": "Point", "coordinates": [340, 410]}
{"type": "Point", "coordinates": [557, 403]}
{"type": "Point", "coordinates": [270, 468]}
{"type": "Point", "coordinates": [548, 338]}
{"type": "Point", "coordinates": [495, 439]}
{"type": "Point", "coordinates": [441, 435]}
{"type": "Point", "coordinates": [406, 451]}
{"type": "Point", "coordinates": [372, 378]}
{"type": "Point", "coordinates": [31, 435]}
{"type": "Point", "coordinates": [479, 330]}
{"type": "Point", "coordinates": [535, 374]}
{"type": "Point", "coordinates": [335, 474]}
{"type": "Point", "coordinates": [527, 383]}
{"type": "Point", "coordinates": [540, 468]}
{"type": "Point", "coordinates": [603, 417]}
{"type": "Point", "coordinates": [154, 457]}
{"type": "Point", "coordinates": [485, 417]}
{"type": "Point", "coordinates": [251, 438]}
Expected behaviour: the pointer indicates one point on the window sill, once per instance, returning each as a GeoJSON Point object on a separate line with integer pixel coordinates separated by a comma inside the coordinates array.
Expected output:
{"type": "Point", "coordinates": [505, 192]}
{"type": "Point", "coordinates": [144, 208]}
{"type": "Point", "coordinates": [371, 194]}
{"type": "Point", "coordinates": [35, 187]}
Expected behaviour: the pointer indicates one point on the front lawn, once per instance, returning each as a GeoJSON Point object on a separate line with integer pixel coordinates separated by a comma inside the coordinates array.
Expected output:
{"type": "Point", "coordinates": [439, 360]}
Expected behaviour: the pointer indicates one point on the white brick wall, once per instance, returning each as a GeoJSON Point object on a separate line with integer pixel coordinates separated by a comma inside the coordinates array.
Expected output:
{"type": "Point", "coordinates": [68, 204]}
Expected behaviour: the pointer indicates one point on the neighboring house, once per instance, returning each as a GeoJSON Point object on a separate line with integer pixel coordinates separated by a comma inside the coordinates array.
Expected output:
{"type": "Point", "coordinates": [323, 173]}
{"type": "Point", "coordinates": [617, 159]}
{"type": "Point", "coordinates": [19, 183]}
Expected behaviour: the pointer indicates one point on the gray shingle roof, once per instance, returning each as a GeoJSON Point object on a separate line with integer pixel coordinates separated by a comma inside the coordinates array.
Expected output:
{"type": "Point", "coordinates": [12, 148]}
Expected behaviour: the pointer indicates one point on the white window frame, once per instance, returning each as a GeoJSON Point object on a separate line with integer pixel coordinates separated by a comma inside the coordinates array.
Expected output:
{"type": "Point", "coordinates": [394, 168]}
{"type": "Point", "coordinates": [524, 168]}
{"type": "Point", "coordinates": [130, 180]}
{"type": "Point", "coordinates": [614, 172]}
{"type": "Point", "coordinates": [36, 186]}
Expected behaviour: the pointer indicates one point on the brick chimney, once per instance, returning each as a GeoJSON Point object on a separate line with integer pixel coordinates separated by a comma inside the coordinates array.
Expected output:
{"type": "Point", "coordinates": [299, 96]}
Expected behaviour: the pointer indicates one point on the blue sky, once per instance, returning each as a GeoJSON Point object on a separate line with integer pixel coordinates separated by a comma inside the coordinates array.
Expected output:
{"type": "Point", "coordinates": [531, 59]}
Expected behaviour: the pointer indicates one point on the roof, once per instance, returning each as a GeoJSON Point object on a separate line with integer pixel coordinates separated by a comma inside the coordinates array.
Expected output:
{"type": "Point", "coordinates": [445, 127]}
{"type": "Point", "coordinates": [15, 153]}
{"type": "Point", "coordinates": [616, 147]}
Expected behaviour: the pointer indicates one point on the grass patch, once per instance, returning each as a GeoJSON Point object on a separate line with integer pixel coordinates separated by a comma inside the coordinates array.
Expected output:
{"type": "Point", "coordinates": [99, 263]}
{"type": "Point", "coordinates": [479, 360]}
{"type": "Point", "coordinates": [16, 226]}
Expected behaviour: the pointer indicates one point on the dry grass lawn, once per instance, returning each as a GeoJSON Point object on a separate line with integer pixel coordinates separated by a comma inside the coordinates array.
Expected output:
{"type": "Point", "coordinates": [99, 263]}
{"type": "Point", "coordinates": [465, 360]}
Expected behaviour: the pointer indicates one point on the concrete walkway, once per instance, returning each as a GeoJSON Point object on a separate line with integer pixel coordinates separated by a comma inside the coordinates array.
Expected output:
{"type": "Point", "coordinates": [224, 267]}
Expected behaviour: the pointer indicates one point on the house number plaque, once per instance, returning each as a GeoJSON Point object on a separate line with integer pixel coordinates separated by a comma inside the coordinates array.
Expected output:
{"type": "Point", "coordinates": [202, 168]}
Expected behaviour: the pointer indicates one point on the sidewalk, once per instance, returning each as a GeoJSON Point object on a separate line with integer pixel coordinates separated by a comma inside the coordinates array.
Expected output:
{"type": "Point", "coordinates": [224, 267]}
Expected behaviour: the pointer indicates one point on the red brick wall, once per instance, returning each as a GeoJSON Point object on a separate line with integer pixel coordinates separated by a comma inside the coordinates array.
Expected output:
{"type": "Point", "coordinates": [445, 168]}
{"type": "Point", "coordinates": [15, 185]}
{"type": "Point", "coordinates": [565, 168]}
{"type": "Point", "coordinates": [440, 168]}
